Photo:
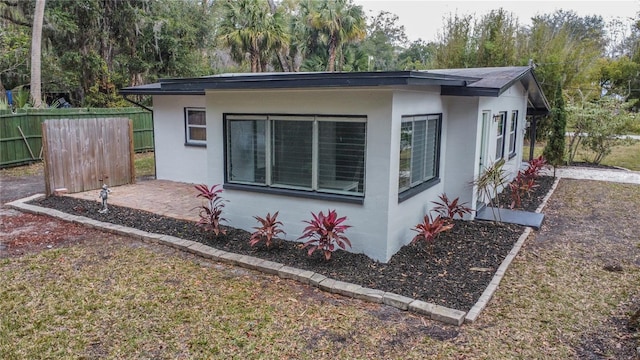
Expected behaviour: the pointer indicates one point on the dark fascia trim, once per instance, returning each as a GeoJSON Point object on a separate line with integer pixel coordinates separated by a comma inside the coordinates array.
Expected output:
{"type": "Point", "coordinates": [133, 91]}
{"type": "Point", "coordinates": [409, 193]}
{"type": "Point", "coordinates": [296, 193]}
{"type": "Point", "coordinates": [197, 86]}
{"type": "Point", "coordinates": [466, 91]}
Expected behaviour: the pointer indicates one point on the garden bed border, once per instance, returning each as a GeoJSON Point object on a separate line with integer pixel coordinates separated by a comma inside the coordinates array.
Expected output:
{"type": "Point", "coordinates": [433, 311]}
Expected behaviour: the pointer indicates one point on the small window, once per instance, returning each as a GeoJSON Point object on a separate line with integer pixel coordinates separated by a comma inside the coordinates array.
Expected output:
{"type": "Point", "coordinates": [501, 118]}
{"type": "Point", "coordinates": [195, 126]}
{"type": "Point", "coordinates": [513, 126]}
{"type": "Point", "coordinates": [419, 150]}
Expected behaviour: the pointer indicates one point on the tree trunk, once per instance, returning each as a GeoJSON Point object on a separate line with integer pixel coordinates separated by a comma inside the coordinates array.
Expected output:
{"type": "Point", "coordinates": [332, 56]}
{"type": "Point", "coordinates": [281, 58]}
{"type": "Point", "coordinates": [36, 54]}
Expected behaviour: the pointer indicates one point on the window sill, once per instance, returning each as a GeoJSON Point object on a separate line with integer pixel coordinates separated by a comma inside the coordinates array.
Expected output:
{"type": "Point", "coordinates": [511, 156]}
{"type": "Point", "coordinates": [195, 145]}
{"type": "Point", "coordinates": [409, 193]}
{"type": "Point", "coordinates": [296, 193]}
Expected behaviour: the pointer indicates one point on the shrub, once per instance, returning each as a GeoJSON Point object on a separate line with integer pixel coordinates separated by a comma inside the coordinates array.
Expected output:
{"type": "Point", "coordinates": [268, 231]}
{"type": "Point", "coordinates": [211, 212]}
{"type": "Point", "coordinates": [520, 186]}
{"type": "Point", "coordinates": [535, 167]}
{"type": "Point", "coordinates": [449, 209]}
{"type": "Point", "coordinates": [430, 228]}
{"type": "Point", "coordinates": [325, 232]}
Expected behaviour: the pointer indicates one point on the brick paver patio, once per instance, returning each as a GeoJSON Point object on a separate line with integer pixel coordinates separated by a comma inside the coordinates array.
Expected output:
{"type": "Point", "coordinates": [163, 197]}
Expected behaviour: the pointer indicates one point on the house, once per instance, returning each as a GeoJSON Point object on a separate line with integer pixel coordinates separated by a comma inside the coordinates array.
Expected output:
{"type": "Point", "coordinates": [378, 147]}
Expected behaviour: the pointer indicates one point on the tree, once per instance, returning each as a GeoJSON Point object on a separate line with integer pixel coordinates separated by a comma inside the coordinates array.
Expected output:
{"type": "Point", "coordinates": [554, 150]}
{"type": "Point", "coordinates": [336, 23]}
{"type": "Point", "coordinates": [385, 39]}
{"type": "Point", "coordinates": [455, 47]}
{"type": "Point", "coordinates": [495, 36]}
{"type": "Point", "coordinates": [418, 56]}
{"type": "Point", "coordinates": [36, 54]}
{"type": "Point", "coordinates": [598, 126]}
{"type": "Point", "coordinates": [249, 28]}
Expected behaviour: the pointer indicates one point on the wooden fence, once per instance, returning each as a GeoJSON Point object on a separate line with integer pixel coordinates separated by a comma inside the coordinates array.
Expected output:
{"type": "Point", "coordinates": [21, 133]}
{"type": "Point", "coordinates": [83, 155]}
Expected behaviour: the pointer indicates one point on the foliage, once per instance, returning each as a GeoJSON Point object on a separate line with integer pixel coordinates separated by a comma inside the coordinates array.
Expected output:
{"type": "Point", "coordinates": [325, 232]}
{"type": "Point", "coordinates": [333, 24]}
{"type": "Point", "coordinates": [385, 38]}
{"type": "Point", "coordinates": [430, 228]}
{"type": "Point", "coordinates": [21, 98]}
{"type": "Point", "coordinates": [211, 212]}
{"type": "Point", "coordinates": [249, 29]}
{"type": "Point", "coordinates": [554, 150]}
{"type": "Point", "coordinates": [489, 182]}
{"type": "Point", "coordinates": [535, 167]}
{"type": "Point", "coordinates": [598, 125]}
{"type": "Point", "coordinates": [449, 209]}
{"type": "Point", "coordinates": [268, 231]}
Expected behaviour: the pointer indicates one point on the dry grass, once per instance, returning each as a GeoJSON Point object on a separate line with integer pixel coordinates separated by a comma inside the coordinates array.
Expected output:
{"type": "Point", "coordinates": [144, 163]}
{"type": "Point", "coordinates": [117, 298]}
{"type": "Point", "coordinates": [626, 156]}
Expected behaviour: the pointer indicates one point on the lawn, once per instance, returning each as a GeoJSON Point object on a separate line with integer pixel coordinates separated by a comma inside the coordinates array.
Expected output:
{"type": "Point", "coordinates": [113, 297]}
{"type": "Point", "coordinates": [627, 157]}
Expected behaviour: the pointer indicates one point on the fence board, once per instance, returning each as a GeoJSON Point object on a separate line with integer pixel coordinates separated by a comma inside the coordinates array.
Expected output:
{"type": "Point", "coordinates": [13, 150]}
{"type": "Point", "coordinates": [82, 155]}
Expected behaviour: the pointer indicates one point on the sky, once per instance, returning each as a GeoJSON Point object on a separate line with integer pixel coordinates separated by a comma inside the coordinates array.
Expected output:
{"type": "Point", "coordinates": [424, 19]}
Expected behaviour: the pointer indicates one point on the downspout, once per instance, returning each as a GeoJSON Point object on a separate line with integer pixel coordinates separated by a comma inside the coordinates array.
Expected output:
{"type": "Point", "coordinates": [153, 128]}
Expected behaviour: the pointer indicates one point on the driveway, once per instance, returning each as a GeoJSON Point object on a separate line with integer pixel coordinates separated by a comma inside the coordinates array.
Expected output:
{"type": "Point", "coordinates": [18, 187]}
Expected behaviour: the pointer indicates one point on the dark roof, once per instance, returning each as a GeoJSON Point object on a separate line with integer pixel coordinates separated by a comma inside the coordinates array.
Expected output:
{"type": "Point", "coordinates": [456, 82]}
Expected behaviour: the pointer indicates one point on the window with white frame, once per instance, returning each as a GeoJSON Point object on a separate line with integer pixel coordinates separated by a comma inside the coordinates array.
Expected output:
{"type": "Point", "coordinates": [419, 150]}
{"type": "Point", "coordinates": [195, 123]}
{"type": "Point", "coordinates": [513, 126]}
{"type": "Point", "coordinates": [318, 153]}
{"type": "Point", "coordinates": [501, 119]}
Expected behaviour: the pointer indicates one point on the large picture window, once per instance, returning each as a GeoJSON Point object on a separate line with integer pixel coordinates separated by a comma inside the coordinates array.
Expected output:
{"type": "Point", "coordinates": [419, 150]}
{"type": "Point", "coordinates": [513, 126]}
{"type": "Point", "coordinates": [195, 122]}
{"type": "Point", "coordinates": [313, 153]}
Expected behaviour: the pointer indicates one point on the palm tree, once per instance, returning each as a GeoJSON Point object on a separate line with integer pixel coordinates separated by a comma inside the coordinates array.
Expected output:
{"type": "Point", "coordinates": [338, 22]}
{"type": "Point", "coordinates": [36, 57]}
{"type": "Point", "coordinates": [250, 28]}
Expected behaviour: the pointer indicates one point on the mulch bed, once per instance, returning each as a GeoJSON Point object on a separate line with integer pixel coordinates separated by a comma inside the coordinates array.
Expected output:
{"type": "Point", "coordinates": [453, 272]}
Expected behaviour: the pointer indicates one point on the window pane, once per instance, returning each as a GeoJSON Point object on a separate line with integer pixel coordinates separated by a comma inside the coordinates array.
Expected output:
{"type": "Point", "coordinates": [196, 117]}
{"type": "Point", "coordinates": [292, 153]}
{"type": "Point", "coordinates": [404, 181]}
{"type": "Point", "coordinates": [512, 132]}
{"type": "Point", "coordinates": [500, 137]}
{"type": "Point", "coordinates": [341, 149]}
{"type": "Point", "coordinates": [247, 151]}
{"type": "Point", "coordinates": [418, 152]}
{"type": "Point", "coordinates": [197, 134]}
{"type": "Point", "coordinates": [432, 150]}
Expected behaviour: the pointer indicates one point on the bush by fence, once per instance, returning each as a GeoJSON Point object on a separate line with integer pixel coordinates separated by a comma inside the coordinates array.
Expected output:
{"type": "Point", "coordinates": [21, 133]}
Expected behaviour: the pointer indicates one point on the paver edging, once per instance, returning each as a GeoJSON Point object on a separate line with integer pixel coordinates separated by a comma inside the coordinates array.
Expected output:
{"type": "Point", "coordinates": [438, 313]}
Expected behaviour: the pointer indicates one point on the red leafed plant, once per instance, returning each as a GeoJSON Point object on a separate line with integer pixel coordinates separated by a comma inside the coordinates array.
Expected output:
{"type": "Point", "coordinates": [211, 211]}
{"type": "Point", "coordinates": [520, 186]}
{"type": "Point", "coordinates": [268, 231]}
{"type": "Point", "coordinates": [534, 167]}
{"type": "Point", "coordinates": [450, 209]}
{"type": "Point", "coordinates": [430, 228]}
{"type": "Point", "coordinates": [325, 232]}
